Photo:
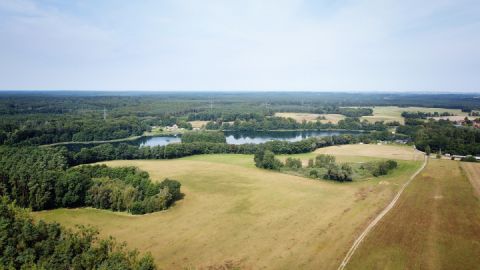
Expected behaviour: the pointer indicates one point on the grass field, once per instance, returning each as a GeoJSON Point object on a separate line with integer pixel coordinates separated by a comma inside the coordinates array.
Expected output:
{"type": "Point", "coordinates": [309, 117]}
{"type": "Point", "coordinates": [393, 113]}
{"type": "Point", "coordinates": [198, 124]}
{"type": "Point", "coordinates": [234, 214]}
{"type": "Point", "coordinates": [435, 225]}
{"type": "Point", "coordinates": [472, 170]}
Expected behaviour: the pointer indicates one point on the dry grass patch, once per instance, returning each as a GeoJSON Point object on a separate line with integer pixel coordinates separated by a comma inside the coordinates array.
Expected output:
{"type": "Point", "coordinates": [402, 152]}
{"type": "Point", "coordinates": [198, 124]}
{"type": "Point", "coordinates": [299, 117]}
{"type": "Point", "coordinates": [235, 213]}
{"type": "Point", "coordinates": [472, 170]}
{"type": "Point", "coordinates": [435, 225]}
{"type": "Point", "coordinates": [312, 117]}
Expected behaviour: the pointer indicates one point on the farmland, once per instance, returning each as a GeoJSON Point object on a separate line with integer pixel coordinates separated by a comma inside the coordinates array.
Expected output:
{"type": "Point", "coordinates": [435, 225]}
{"type": "Point", "coordinates": [309, 117]}
{"type": "Point", "coordinates": [393, 113]}
{"type": "Point", "coordinates": [236, 214]}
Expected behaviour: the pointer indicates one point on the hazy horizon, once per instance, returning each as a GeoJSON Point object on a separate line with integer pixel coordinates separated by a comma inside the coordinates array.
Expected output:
{"type": "Point", "coordinates": [266, 46]}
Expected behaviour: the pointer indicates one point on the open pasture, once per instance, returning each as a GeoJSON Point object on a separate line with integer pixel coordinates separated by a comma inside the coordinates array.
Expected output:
{"type": "Point", "coordinates": [472, 170]}
{"type": "Point", "coordinates": [236, 214]}
{"type": "Point", "coordinates": [435, 225]}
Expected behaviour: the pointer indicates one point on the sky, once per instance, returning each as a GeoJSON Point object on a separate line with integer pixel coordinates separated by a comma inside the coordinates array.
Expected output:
{"type": "Point", "coordinates": [266, 45]}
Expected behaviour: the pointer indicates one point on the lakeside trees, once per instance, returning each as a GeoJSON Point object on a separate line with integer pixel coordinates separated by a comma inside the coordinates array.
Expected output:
{"type": "Point", "coordinates": [204, 136]}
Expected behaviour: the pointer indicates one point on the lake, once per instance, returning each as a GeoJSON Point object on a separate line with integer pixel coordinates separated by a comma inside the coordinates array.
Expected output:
{"type": "Point", "coordinates": [248, 137]}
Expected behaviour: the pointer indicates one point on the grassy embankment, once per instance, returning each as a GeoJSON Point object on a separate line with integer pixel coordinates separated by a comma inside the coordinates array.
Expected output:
{"type": "Point", "coordinates": [236, 214]}
{"type": "Point", "coordinates": [435, 224]}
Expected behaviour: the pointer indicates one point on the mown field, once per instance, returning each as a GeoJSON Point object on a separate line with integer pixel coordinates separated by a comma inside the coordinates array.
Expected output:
{"type": "Point", "coordinates": [435, 224]}
{"type": "Point", "coordinates": [312, 117]}
{"type": "Point", "coordinates": [393, 113]}
{"type": "Point", "coordinates": [236, 215]}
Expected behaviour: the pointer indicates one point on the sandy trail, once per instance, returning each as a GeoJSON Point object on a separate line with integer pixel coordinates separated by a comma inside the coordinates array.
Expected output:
{"type": "Point", "coordinates": [362, 236]}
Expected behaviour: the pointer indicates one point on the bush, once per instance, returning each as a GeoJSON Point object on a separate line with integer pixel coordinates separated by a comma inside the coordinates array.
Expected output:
{"type": "Point", "coordinates": [469, 159]}
{"type": "Point", "coordinates": [266, 159]}
{"type": "Point", "coordinates": [337, 173]}
{"type": "Point", "coordinates": [313, 173]}
{"type": "Point", "coordinates": [293, 163]}
{"type": "Point", "coordinates": [324, 161]}
{"type": "Point", "coordinates": [384, 167]}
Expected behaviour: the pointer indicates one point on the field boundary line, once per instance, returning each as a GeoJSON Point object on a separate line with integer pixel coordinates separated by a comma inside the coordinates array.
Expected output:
{"type": "Point", "coordinates": [370, 226]}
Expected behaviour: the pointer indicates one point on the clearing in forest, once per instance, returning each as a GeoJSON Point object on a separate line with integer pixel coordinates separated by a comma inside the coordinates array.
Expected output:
{"type": "Point", "coordinates": [435, 225]}
{"type": "Point", "coordinates": [312, 117]}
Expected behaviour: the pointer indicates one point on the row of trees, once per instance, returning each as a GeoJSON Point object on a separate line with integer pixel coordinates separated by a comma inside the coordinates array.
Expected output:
{"type": "Point", "coordinates": [443, 136]}
{"type": "Point", "coordinates": [25, 244]}
{"type": "Point", "coordinates": [204, 136]}
{"type": "Point", "coordinates": [279, 123]}
{"type": "Point", "coordinates": [323, 166]}
{"type": "Point", "coordinates": [424, 115]}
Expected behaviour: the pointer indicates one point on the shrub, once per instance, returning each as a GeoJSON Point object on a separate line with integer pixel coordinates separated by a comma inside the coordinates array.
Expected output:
{"type": "Point", "coordinates": [293, 163]}
{"type": "Point", "coordinates": [469, 159]}
{"type": "Point", "coordinates": [266, 159]}
{"type": "Point", "coordinates": [324, 161]}
{"type": "Point", "coordinates": [313, 173]}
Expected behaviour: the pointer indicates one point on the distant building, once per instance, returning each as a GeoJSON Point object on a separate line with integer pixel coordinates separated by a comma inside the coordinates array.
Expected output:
{"type": "Point", "coordinates": [171, 128]}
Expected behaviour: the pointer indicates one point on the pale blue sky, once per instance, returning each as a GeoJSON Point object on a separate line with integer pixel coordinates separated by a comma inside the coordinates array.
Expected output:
{"type": "Point", "coordinates": [403, 45]}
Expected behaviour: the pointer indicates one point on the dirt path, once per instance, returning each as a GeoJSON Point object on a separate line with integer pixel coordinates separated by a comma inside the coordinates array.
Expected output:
{"type": "Point", "coordinates": [362, 236]}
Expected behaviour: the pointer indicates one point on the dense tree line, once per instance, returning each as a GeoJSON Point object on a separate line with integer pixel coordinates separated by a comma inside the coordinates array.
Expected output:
{"type": "Point", "coordinates": [225, 116]}
{"type": "Point", "coordinates": [443, 136]}
{"type": "Point", "coordinates": [356, 124]}
{"type": "Point", "coordinates": [281, 123]}
{"type": "Point", "coordinates": [204, 136]}
{"type": "Point", "coordinates": [35, 131]}
{"type": "Point", "coordinates": [25, 244]}
{"type": "Point", "coordinates": [354, 112]}
{"type": "Point", "coordinates": [424, 115]}
{"type": "Point", "coordinates": [38, 178]}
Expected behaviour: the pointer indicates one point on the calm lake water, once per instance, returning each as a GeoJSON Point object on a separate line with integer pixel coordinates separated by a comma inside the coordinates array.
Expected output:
{"type": "Point", "coordinates": [248, 137]}
{"type": "Point", "coordinates": [232, 138]}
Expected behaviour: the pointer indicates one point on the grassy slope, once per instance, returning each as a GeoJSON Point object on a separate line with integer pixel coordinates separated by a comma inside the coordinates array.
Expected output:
{"type": "Point", "coordinates": [435, 225]}
{"type": "Point", "coordinates": [234, 212]}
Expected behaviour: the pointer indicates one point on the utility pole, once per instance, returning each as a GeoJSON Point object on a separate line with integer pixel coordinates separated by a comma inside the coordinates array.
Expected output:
{"type": "Point", "coordinates": [104, 114]}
